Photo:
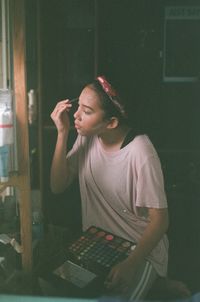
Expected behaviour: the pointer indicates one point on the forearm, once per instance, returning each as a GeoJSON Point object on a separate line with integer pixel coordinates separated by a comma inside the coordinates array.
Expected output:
{"type": "Point", "coordinates": [58, 177]}
{"type": "Point", "coordinates": [121, 275]}
{"type": "Point", "coordinates": [153, 233]}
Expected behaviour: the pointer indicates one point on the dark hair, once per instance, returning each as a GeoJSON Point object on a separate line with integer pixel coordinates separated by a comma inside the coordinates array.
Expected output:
{"type": "Point", "coordinates": [111, 105]}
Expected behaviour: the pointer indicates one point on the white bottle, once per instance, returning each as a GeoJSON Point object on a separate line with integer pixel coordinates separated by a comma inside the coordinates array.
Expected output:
{"type": "Point", "coordinates": [6, 118]}
{"type": "Point", "coordinates": [6, 132]}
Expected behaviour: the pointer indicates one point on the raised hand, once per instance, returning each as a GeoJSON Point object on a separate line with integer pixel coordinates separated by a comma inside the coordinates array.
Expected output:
{"type": "Point", "coordinates": [60, 115]}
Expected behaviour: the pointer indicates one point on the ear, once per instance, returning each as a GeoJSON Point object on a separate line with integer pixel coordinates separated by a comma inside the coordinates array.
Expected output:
{"type": "Point", "coordinates": [113, 123]}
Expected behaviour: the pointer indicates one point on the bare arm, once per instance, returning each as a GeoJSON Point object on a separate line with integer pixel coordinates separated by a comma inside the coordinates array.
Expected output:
{"type": "Point", "coordinates": [122, 274]}
{"type": "Point", "coordinates": [59, 171]}
{"type": "Point", "coordinates": [156, 228]}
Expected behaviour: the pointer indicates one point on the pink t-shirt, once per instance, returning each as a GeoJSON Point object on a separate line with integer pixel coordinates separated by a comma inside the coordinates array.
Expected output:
{"type": "Point", "coordinates": [117, 187]}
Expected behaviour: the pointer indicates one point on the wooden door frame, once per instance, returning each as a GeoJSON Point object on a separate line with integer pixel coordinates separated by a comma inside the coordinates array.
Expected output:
{"type": "Point", "coordinates": [22, 179]}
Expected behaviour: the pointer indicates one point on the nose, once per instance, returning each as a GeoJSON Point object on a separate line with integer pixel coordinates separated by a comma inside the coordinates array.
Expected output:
{"type": "Point", "coordinates": [77, 114]}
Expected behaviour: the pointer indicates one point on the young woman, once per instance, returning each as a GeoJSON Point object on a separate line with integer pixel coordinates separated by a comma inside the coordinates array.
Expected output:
{"type": "Point", "coordinates": [121, 183]}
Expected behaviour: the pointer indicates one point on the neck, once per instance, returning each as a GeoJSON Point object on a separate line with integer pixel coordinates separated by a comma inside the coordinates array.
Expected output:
{"type": "Point", "coordinates": [113, 138]}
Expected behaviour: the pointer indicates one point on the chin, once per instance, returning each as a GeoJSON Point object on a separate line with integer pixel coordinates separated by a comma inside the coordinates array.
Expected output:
{"type": "Point", "coordinates": [84, 133]}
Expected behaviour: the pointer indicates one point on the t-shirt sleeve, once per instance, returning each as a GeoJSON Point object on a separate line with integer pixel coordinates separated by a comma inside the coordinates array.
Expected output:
{"type": "Point", "coordinates": [150, 185]}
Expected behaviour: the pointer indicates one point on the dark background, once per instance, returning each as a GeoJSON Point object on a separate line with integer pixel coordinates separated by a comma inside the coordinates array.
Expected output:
{"type": "Point", "coordinates": [124, 40]}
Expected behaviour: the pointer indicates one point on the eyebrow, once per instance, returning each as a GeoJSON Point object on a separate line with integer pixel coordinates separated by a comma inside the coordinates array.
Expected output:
{"type": "Point", "coordinates": [88, 107]}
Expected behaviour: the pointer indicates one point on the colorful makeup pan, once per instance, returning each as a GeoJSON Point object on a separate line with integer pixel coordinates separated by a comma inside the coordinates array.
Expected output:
{"type": "Point", "coordinates": [98, 249]}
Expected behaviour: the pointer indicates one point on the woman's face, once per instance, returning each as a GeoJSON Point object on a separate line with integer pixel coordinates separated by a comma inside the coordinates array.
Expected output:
{"type": "Point", "coordinates": [90, 117]}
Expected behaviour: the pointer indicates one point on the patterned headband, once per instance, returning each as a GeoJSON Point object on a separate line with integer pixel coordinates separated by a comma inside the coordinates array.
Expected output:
{"type": "Point", "coordinates": [106, 86]}
{"type": "Point", "coordinates": [111, 93]}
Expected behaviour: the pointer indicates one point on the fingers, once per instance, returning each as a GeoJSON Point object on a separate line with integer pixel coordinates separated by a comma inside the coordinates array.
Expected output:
{"type": "Point", "coordinates": [117, 287]}
{"type": "Point", "coordinates": [60, 115]}
{"type": "Point", "coordinates": [62, 106]}
{"type": "Point", "coordinates": [115, 283]}
{"type": "Point", "coordinates": [110, 280]}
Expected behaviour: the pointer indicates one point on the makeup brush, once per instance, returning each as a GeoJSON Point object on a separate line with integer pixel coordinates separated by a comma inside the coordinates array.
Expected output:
{"type": "Point", "coordinates": [73, 100]}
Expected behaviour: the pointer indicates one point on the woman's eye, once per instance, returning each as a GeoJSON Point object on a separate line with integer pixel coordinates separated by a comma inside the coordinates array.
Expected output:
{"type": "Point", "coordinates": [87, 112]}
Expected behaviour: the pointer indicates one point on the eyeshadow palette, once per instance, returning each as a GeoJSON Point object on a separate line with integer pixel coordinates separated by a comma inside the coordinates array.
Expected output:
{"type": "Point", "coordinates": [89, 259]}
{"type": "Point", "coordinates": [98, 250]}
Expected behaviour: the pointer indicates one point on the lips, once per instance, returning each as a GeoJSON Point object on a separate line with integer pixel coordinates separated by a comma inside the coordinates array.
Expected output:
{"type": "Point", "coordinates": [76, 126]}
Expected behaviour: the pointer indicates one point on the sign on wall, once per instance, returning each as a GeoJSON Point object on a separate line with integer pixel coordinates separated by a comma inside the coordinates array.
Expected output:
{"type": "Point", "coordinates": [181, 55]}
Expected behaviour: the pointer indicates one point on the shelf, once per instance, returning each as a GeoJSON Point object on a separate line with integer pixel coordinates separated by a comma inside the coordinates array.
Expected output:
{"type": "Point", "coordinates": [21, 180]}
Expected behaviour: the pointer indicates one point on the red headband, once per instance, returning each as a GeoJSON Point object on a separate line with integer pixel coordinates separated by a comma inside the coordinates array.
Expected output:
{"type": "Point", "coordinates": [111, 92]}
{"type": "Point", "coordinates": [106, 86]}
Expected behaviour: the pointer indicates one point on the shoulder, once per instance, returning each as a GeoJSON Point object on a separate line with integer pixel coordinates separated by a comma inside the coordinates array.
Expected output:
{"type": "Point", "coordinates": [142, 150]}
{"type": "Point", "coordinates": [143, 144]}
